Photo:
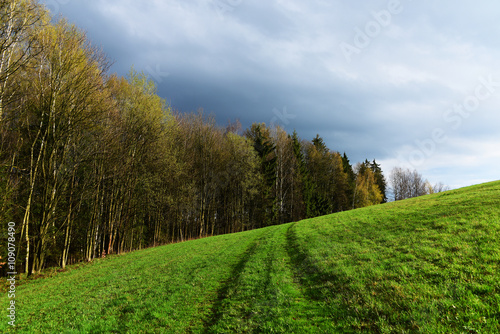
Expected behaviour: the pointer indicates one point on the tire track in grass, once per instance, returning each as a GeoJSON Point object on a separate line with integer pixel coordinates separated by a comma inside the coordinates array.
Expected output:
{"type": "Point", "coordinates": [166, 288]}
{"type": "Point", "coordinates": [247, 299]}
{"type": "Point", "coordinates": [266, 296]}
{"type": "Point", "coordinates": [230, 285]}
{"type": "Point", "coordinates": [326, 290]}
{"type": "Point", "coordinates": [264, 293]}
{"type": "Point", "coordinates": [290, 310]}
{"type": "Point", "coordinates": [336, 285]}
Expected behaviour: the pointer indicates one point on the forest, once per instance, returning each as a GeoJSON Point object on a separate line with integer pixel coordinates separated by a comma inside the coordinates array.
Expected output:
{"type": "Point", "coordinates": [92, 163]}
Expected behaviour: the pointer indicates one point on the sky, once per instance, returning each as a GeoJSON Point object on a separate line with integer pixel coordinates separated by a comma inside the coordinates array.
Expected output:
{"type": "Point", "coordinates": [414, 84]}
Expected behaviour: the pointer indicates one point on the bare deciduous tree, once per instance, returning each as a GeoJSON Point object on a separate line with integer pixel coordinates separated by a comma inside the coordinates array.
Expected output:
{"type": "Point", "coordinates": [407, 184]}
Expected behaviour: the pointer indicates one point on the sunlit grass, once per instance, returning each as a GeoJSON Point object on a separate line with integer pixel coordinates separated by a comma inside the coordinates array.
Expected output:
{"type": "Point", "coordinates": [429, 265]}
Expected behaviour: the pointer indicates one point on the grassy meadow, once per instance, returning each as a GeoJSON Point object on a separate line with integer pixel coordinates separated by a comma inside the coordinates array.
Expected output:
{"type": "Point", "coordinates": [429, 264]}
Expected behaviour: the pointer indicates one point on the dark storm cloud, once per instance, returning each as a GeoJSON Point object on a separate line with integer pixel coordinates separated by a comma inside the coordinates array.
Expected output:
{"type": "Point", "coordinates": [282, 62]}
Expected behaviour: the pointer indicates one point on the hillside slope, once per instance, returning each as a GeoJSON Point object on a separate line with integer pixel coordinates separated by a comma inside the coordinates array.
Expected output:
{"type": "Point", "coordinates": [429, 264]}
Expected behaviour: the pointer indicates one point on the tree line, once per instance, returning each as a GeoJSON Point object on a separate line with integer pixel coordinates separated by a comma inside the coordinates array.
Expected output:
{"type": "Point", "coordinates": [92, 163]}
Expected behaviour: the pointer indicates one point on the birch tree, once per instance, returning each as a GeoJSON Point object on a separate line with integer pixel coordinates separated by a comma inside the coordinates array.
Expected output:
{"type": "Point", "coordinates": [19, 21]}
{"type": "Point", "coordinates": [67, 85]}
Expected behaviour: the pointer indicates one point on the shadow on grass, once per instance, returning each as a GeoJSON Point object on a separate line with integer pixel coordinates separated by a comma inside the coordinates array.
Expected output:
{"type": "Point", "coordinates": [331, 288]}
{"type": "Point", "coordinates": [230, 284]}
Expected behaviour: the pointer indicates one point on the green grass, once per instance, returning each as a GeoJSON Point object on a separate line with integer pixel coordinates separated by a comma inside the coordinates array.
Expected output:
{"type": "Point", "coordinates": [429, 265]}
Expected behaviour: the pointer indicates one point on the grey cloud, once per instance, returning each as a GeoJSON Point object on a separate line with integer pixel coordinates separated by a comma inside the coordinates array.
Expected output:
{"type": "Point", "coordinates": [259, 56]}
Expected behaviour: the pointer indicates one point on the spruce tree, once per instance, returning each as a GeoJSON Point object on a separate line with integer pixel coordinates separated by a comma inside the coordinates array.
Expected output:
{"type": "Point", "coordinates": [265, 149]}
{"type": "Point", "coordinates": [379, 179]}
{"type": "Point", "coordinates": [351, 177]}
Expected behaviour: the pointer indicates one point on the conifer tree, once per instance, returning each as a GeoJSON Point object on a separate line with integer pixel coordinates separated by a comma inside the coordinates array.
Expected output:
{"type": "Point", "coordinates": [351, 176]}
{"type": "Point", "coordinates": [379, 179]}
{"type": "Point", "coordinates": [304, 204]}
{"type": "Point", "coordinates": [260, 137]}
